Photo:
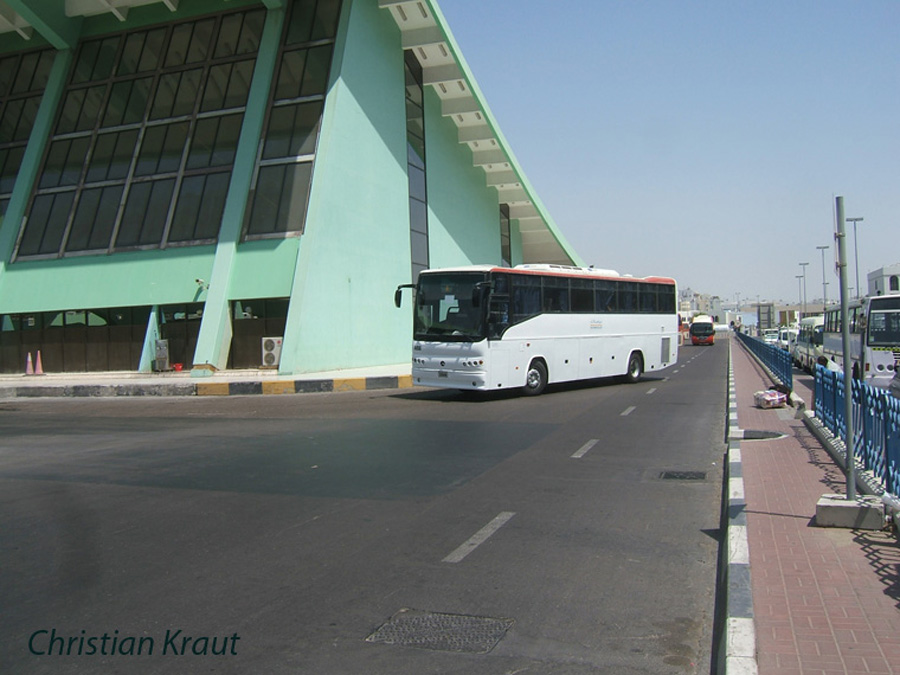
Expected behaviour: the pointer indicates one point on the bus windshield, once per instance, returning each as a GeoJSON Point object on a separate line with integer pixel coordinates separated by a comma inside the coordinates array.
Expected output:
{"type": "Point", "coordinates": [702, 329]}
{"type": "Point", "coordinates": [445, 310]}
{"type": "Point", "coordinates": [884, 322]}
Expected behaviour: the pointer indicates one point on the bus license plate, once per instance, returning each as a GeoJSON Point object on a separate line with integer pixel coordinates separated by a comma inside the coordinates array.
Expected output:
{"type": "Point", "coordinates": [443, 373]}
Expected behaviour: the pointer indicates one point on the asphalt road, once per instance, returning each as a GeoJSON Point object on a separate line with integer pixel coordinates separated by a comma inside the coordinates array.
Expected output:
{"type": "Point", "coordinates": [396, 532]}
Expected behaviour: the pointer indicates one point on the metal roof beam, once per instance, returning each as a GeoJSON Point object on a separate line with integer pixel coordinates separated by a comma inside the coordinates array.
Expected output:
{"type": "Point", "coordinates": [49, 20]}
{"type": "Point", "coordinates": [459, 106]}
{"type": "Point", "coordinates": [480, 132]}
{"type": "Point", "coordinates": [496, 178]}
{"type": "Point", "coordinates": [485, 157]}
{"type": "Point", "coordinates": [8, 20]}
{"type": "Point", "coordinates": [421, 37]}
{"type": "Point", "coordinates": [438, 74]}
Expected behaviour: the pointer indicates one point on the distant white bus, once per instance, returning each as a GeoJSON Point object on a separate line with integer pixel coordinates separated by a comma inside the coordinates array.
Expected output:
{"type": "Point", "coordinates": [484, 327]}
{"type": "Point", "coordinates": [808, 347]}
{"type": "Point", "coordinates": [874, 338]}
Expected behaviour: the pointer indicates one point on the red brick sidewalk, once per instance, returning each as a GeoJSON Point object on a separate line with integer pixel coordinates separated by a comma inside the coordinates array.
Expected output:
{"type": "Point", "coordinates": [825, 601]}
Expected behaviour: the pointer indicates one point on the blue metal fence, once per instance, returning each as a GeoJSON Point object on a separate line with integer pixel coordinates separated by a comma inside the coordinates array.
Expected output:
{"type": "Point", "coordinates": [777, 360]}
{"type": "Point", "coordinates": [876, 423]}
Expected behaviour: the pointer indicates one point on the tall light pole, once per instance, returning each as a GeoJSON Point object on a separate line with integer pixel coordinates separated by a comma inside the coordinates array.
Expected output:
{"type": "Point", "coordinates": [824, 283]}
{"type": "Point", "coordinates": [803, 266]}
{"type": "Point", "coordinates": [800, 294]}
{"type": "Point", "coordinates": [855, 251]}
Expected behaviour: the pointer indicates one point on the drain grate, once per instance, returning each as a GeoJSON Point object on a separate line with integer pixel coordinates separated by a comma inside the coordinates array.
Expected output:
{"type": "Point", "coordinates": [442, 632]}
{"type": "Point", "coordinates": [683, 475]}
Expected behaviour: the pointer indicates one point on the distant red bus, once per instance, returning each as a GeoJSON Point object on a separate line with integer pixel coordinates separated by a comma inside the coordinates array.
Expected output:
{"type": "Point", "coordinates": [703, 331]}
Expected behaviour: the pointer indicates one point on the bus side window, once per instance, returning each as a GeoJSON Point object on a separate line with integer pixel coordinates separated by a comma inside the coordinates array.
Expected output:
{"type": "Point", "coordinates": [605, 299]}
{"type": "Point", "coordinates": [526, 297]}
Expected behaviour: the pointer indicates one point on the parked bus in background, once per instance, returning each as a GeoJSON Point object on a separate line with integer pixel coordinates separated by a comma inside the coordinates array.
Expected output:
{"type": "Point", "coordinates": [874, 338]}
{"type": "Point", "coordinates": [483, 327]}
{"type": "Point", "coordinates": [808, 347]}
{"type": "Point", "coordinates": [703, 330]}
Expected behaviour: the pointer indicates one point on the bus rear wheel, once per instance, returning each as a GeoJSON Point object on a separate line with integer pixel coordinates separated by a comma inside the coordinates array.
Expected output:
{"type": "Point", "coordinates": [635, 368]}
{"type": "Point", "coordinates": [535, 378]}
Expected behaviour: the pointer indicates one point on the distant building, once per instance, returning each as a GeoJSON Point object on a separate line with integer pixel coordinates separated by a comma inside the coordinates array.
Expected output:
{"type": "Point", "coordinates": [885, 280]}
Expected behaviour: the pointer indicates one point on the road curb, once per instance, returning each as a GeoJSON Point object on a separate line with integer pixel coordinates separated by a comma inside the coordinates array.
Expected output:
{"type": "Point", "coordinates": [737, 651]}
{"type": "Point", "coordinates": [208, 388]}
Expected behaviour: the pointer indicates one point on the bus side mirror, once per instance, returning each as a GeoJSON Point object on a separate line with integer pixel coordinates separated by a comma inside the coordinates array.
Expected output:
{"type": "Point", "coordinates": [398, 294]}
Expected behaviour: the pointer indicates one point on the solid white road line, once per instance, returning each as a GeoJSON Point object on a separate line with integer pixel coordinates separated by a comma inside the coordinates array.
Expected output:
{"type": "Point", "coordinates": [479, 537]}
{"type": "Point", "coordinates": [582, 451]}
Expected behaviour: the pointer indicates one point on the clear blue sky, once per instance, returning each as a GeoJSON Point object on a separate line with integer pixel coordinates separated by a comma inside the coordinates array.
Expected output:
{"type": "Point", "coordinates": [701, 140]}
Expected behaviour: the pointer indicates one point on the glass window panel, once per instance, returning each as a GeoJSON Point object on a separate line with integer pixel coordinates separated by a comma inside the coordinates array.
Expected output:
{"type": "Point", "coordinates": [173, 147]}
{"type": "Point", "coordinates": [122, 156]}
{"type": "Point", "coordinates": [216, 84]}
{"type": "Point", "coordinates": [605, 299]}
{"type": "Point", "coordinates": [176, 55]}
{"type": "Point", "coordinates": [417, 183]}
{"type": "Point", "coordinates": [419, 248]}
{"type": "Point", "coordinates": [200, 206]}
{"type": "Point", "coordinates": [187, 211]}
{"type": "Point", "coordinates": [131, 53]}
{"type": "Point", "coordinates": [292, 130]}
{"type": "Point", "coordinates": [164, 100]}
{"type": "Point", "coordinates": [251, 32]}
{"type": "Point", "coordinates": [12, 160]}
{"type": "Point", "coordinates": [106, 58]}
{"type": "Point", "coordinates": [90, 111]}
{"type": "Point", "coordinates": [148, 159]}
{"type": "Point", "coordinates": [112, 156]}
{"type": "Point", "coordinates": [239, 84]}
{"type": "Point", "coordinates": [647, 295]}
{"type": "Point", "coordinates": [227, 140]}
{"type": "Point", "coordinates": [101, 158]}
{"type": "Point", "coordinates": [327, 15]}
{"type": "Point", "coordinates": [290, 203]}
{"type": "Point", "coordinates": [23, 79]}
{"type": "Point", "coordinates": [71, 111]}
{"type": "Point", "coordinates": [153, 50]}
{"type": "Point", "coordinates": [9, 121]}
{"type": "Point", "coordinates": [145, 213]}
{"type": "Point", "coordinates": [188, 91]}
{"type": "Point", "coordinates": [56, 159]}
{"type": "Point", "coordinates": [315, 76]}
{"type": "Point", "coordinates": [415, 151]}
{"type": "Point", "coordinates": [26, 121]}
{"type": "Point", "coordinates": [127, 102]}
{"type": "Point", "coordinates": [229, 34]}
{"type": "Point", "coordinates": [71, 172]}
{"type": "Point", "coordinates": [94, 219]}
{"type": "Point", "coordinates": [87, 57]}
{"type": "Point", "coordinates": [42, 72]}
{"type": "Point", "coordinates": [418, 216]}
{"type": "Point", "coordinates": [264, 211]}
{"type": "Point", "coordinates": [56, 222]}
{"type": "Point", "coordinates": [300, 23]}
{"type": "Point", "coordinates": [202, 142]}
{"type": "Point", "coordinates": [290, 76]}
{"type": "Point", "coordinates": [8, 69]}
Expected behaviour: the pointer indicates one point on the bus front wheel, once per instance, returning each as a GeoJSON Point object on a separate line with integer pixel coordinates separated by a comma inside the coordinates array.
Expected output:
{"type": "Point", "coordinates": [635, 368]}
{"type": "Point", "coordinates": [536, 378]}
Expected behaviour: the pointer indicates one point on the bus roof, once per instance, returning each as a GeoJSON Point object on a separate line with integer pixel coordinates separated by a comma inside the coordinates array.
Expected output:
{"type": "Point", "coordinates": [554, 270]}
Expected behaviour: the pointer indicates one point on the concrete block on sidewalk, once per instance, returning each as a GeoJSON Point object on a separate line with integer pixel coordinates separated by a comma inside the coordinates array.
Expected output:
{"type": "Point", "coordinates": [865, 513]}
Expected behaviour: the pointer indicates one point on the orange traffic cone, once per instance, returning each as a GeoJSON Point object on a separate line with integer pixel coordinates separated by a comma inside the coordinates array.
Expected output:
{"type": "Point", "coordinates": [38, 369]}
{"type": "Point", "coordinates": [29, 368]}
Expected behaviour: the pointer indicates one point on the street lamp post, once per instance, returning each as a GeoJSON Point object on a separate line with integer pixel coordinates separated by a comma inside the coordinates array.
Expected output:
{"type": "Point", "coordinates": [824, 283]}
{"type": "Point", "coordinates": [803, 266]}
{"type": "Point", "coordinates": [800, 293]}
{"type": "Point", "coordinates": [855, 251]}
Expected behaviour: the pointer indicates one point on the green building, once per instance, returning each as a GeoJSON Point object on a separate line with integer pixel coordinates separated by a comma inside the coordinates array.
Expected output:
{"type": "Point", "coordinates": [184, 178]}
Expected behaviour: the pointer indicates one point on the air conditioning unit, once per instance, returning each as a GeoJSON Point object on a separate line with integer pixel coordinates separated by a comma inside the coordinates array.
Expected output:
{"type": "Point", "coordinates": [271, 351]}
{"type": "Point", "coordinates": [161, 360]}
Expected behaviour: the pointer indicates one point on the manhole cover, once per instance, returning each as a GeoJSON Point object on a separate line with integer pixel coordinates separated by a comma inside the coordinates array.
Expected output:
{"type": "Point", "coordinates": [757, 435]}
{"type": "Point", "coordinates": [442, 632]}
{"type": "Point", "coordinates": [683, 475]}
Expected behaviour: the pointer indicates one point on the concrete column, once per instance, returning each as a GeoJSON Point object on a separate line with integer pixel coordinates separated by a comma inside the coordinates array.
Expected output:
{"type": "Point", "coordinates": [214, 339]}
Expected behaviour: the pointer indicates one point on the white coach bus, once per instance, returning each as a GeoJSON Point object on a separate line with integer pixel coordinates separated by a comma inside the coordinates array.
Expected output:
{"type": "Point", "coordinates": [483, 327]}
{"type": "Point", "coordinates": [874, 338]}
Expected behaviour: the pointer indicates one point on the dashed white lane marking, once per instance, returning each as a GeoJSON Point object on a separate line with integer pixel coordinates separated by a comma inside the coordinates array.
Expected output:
{"type": "Point", "coordinates": [630, 409]}
{"type": "Point", "coordinates": [651, 391]}
{"type": "Point", "coordinates": [582, 451]}
{"type": "Point", "coordinates": [479, 537]}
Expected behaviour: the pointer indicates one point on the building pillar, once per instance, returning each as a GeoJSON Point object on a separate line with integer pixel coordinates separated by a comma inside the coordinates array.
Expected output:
{"type": "Point", "coordinates": [34, 151]}
{"type": "Point", "coordinates": [214, 339]}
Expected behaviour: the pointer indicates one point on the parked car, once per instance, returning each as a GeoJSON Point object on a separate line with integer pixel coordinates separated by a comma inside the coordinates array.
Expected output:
{"type": "Point", "coordinates": [770, 336]}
